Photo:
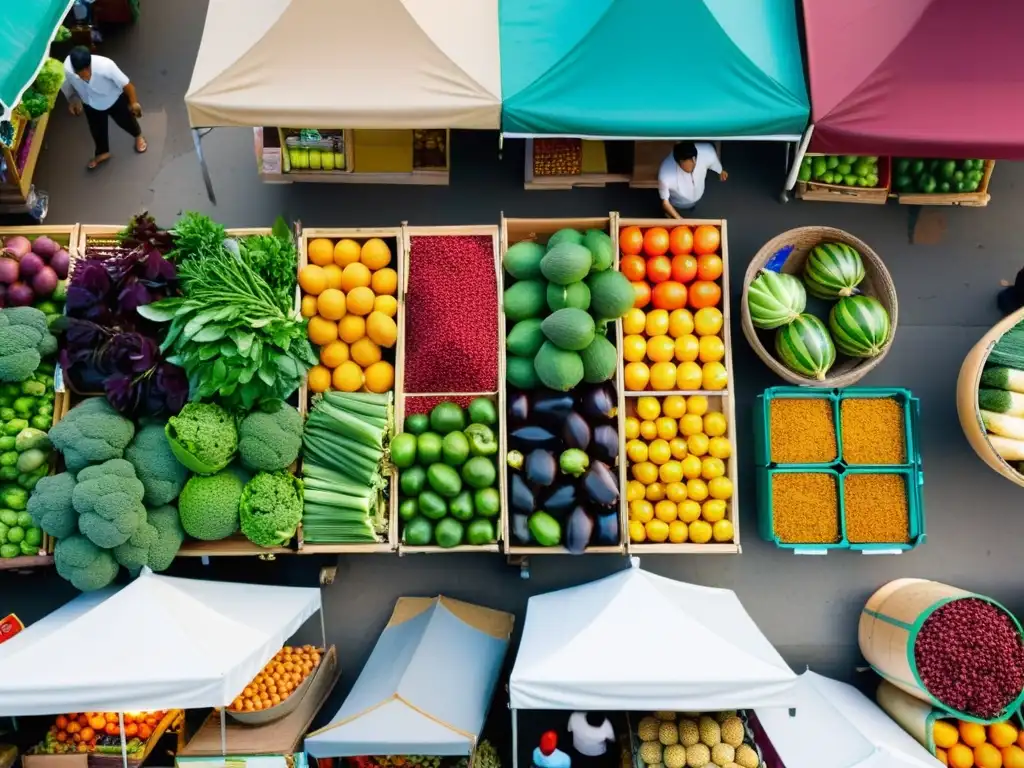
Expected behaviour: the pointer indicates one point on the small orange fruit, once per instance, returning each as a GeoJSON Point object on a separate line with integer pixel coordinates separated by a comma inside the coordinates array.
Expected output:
{"type": "Point", "coordinates": [386, 304]}
{"type": "Point", "coordinates": [334, 354]}
{"type": "Point", "coordinates": [687, 348]}
{"type": "Point", "coordinates": [972, 734]}
{"type": "Point", "coordinates": [384, 282]}
{"type": "Point", "coordinates": [634, 348]}
{"type": "Point", "coordinates": [333, 272]}
{"type": "Point", "coordinates": [680, 323]}
{"type": "Point", "coordinates": [1013, 756]}
{"type": "Point", "coordinates": [346, 252]}
{"type": "Point", "coordinates": [660, 349]}
{"type": "Point", "coordinates": [381, 329]}
{"type": "Point", "coordinates": [360, 300]}
{"type": "Point", "coordinates": [380, 377]}
{"type": "Point", "coordinates": [663, 376]}
{"type": "Point", "coordinates": [355, 276]}
{"type": "Point", "coordinates": [636, 376]}
{"type": "Point", "coordinates": [689, 376]}
{"type": "Point", "coordinates": [319, 379]}
{"type": "Point", "coordinates": [364, 352]}
{"type": "Point", "coordinates": [331, 304]}
{"type": "Point", "coordinates": [320, 251]}
{"type": "Point", "coordinates": [322, 331]}
{"type": "Point", "coordinates": [1002, 734]}
{"type": "Point", "coordinates": [351, 328]}
{"type": "Point", "coordinates": [312, 279]}
{"type": "Point", "coordinates": [712, 349]}
{"type": "Point", "coordinates": [375, 253]}
{"type": "Point", "coordinates": [308, 306]}
{"type": "Point", "coordinates": [348, 377]}
{"type": "Point", "coordinates": [987, 756]}
{"type": "Point", "coordinates": [708, 321]}
{"type": "Point", "coordinates": [945, 734]}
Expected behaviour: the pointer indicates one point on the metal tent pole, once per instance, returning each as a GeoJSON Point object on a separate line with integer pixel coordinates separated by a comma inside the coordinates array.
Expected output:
{"type": "Point", "coordinates": [197, 140]}
{"type": "Point", "coordinates": [124, 745]}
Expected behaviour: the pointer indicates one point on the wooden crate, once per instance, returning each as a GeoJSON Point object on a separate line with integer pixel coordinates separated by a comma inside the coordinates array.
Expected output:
{"type": "Point", "coordinates": [15, 191]}
{"type": "Point", "coordinates": [978, 199]}
{"type": "Point", "coordinates": [593, 153]}
{"type": "Point", "coordinates": [498, 395]}
{"type": "Point", "coordinates": [727, 395]}
{"type": "Point", "coordinates": [395, 234]}
{"type": "Point", "coordinates": [839, 193]}
{"type": "Point", "coordinates": [65, 234]}
{"type": "Point", "coordinates": [514, 231]}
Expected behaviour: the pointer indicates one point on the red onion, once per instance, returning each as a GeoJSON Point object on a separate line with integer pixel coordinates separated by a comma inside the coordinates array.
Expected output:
{"type": "Point", "coordinates": [30, 264]}
{"type": "Point", "coordinates": [45, 247]}
{"type": "Point", "coordinates": [8, 270]}
{"type": "Point", "coordinates": [17, 246]}
{"type": "Point", "coordinates": [61, 263]}
{"type": "Point", "coordinates": [20, 295]}
{"type": "Point", "coordinates": [44, 282]}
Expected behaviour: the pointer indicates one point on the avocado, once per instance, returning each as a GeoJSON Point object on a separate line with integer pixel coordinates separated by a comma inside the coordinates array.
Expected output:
{"type": "Point", "coordinates": [417, 532]}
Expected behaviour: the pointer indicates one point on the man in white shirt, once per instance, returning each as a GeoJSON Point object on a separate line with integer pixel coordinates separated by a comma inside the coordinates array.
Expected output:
{"type": "Point", "coordinates": [97, 86]}
{"type": "Point", "coordinates": [681, 176]}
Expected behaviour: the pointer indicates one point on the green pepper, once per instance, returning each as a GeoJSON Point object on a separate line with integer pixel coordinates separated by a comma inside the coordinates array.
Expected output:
{"type": "Point", "coordinates": [14, 497]}
{"type": "Point", "coordinates": [33, 388]}
{"type": "Point", "coordinates": [41, 422]}
{"type": "Point", "coordinates": [574, 462]}
{"type": "Point", "coordinates": [9, 473]}
{"type": "Point", "coordinates": [8, 443]}
{"type": "Point", "coordinates": [14, 426]}
{"type": "Point", "coordinates": [9, 458]}
{"type": "Point", "coordinates": [482, 441]}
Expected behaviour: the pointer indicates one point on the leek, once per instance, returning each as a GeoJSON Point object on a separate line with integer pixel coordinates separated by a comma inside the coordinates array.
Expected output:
{"type": "Point", "coordinates": [1007, 448]}
{"type": "Point", "coordinates": [337, 420]}
{"type": "Point", "coordinates": [330, 500]}
{"type": "Point", "coordinates": [1001, 401]}
{"type": "Point", "coordinates": [1001, 377]}
{"type": "Point", "coordinates": [1002, 425]}
{"type": "Point", "coordinates": [358, 406]}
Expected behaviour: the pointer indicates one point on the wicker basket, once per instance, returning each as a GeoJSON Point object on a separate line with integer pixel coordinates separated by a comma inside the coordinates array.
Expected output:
{"type": "Point", "coordinates": [967, 398]}
{"type": "Point", "coordinates": [877, 283]}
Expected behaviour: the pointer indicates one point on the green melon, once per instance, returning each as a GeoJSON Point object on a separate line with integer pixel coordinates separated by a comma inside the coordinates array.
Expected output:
{"type": "Point", "coordinates": [522, 260]}
{"type": "Point", "coordinates": [525, 338]}
{"type": "Point", "coordinates": [600, 246]}
{"type": "Point", "coordinates": [611, 294]}
{"type": "Point", "coordinates": [565, 236]}
{"type": "Point", "coordinates": [573, 295]}
{"type": "Point", "coordinates": [527, 298]}
{"type": "Point", "coordinates": [775, 299]}
{"type": "Point", "coordinates": [520, 373]}
{"type": "Point", "coordinates": [569, 328]}
{"type": "Point", "coordinates": [833, 270]}
{"type": "Point", "coordinates": [599, 360]}
{"type": "Point", "coordinates": [860, 326]}
{"type": "Point", "coordinates": [805, 347]}
{"type": "Point", "coordinates": [566, 263]}
{"type": "Point", "coordinates": [558, 369]}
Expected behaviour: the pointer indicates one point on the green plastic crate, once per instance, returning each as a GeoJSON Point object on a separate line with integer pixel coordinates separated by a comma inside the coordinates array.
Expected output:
{"type": "Point", "coordinates": [766, 518]}
{"type": "Point", "coordinates": [911, 407]}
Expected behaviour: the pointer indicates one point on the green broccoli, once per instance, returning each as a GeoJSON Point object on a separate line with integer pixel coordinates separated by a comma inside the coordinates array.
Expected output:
{"type": "Point", "coordinates": [271, 508]}
{"type": "Point", "coordinates": [92, 432]}
{"type": "Point", "coordinates": [84, 564]}
{"type": "Point", "coordinates": [50, 78]}
{"type": "Point", "coordinates": [25, 340]}
{"type": "Point", "coordinates": [155, 465]}
{"type": "Point", "coordinates": [268, 442]}
{"type": "Point", "coordinates": [203, 437]}
{"type": "Point", "coordinates": [170, 536]}
{"type": "Point", "coordinates": [208, 505]}
{"type": "Point", "coordinates": [108, 499]}
{"type": "Point", "coordinates": [51, 508]}
{"type": "Point", "coordinates": [134, 553]}
{"type": "Point", "coordinates": [34, 103]}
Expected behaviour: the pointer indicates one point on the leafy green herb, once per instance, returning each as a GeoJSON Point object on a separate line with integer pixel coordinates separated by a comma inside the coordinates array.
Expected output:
{"type": "Point", "coordinates": [196, 237]}
{"type": "Point", "coordinates": [275, 258]}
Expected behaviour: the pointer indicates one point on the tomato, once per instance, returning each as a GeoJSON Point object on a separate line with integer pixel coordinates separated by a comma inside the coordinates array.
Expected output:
{"type": "Point", "coordinates": [709, 266]}
{"type": "Point", "coordinates": [706, 239]}
{"type": "Point", "coordinates": [669, 295]}
{"type": "Point", "coordinates": [680, 240]}
{"type": "Point", "coordinates": [704, 293]}
{"type": "Point", "coordinates": [643, 293]}
{"type": "Point", "coordinates": [633, 267]}
{"type": "Point", "coordinates": [684, 268]}
{"type": "Point", "coordinates": [659, 269]}
{"type": "Point", "coordinates": [656, 241]}
{"type": "Point", "coordinates": [631, 241]}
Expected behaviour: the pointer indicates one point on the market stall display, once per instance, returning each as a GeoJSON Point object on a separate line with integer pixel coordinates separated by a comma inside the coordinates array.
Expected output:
{"type": "Point", "coordinates": [853, 292]}
{"type": "Point", "coordinates": [942, 182]}
{"type": "Point", "coordinates": [100, 734]}
{"type": "Point", "coordinates": [279, 686]}
{"type": "Point", "coordinates": [694, 740]}
{"type": "Point", "coordinates": [839, 469]}
{"type": "Point", "coordinates": [844, 178]}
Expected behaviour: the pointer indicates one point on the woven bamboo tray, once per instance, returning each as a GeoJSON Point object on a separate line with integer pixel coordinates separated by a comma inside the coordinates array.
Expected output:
{"type": "Point", "coordinates": [877, 283]}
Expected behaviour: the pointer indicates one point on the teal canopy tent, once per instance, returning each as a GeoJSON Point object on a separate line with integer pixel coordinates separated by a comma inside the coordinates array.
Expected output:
{"type": "Point", "coordinates": [652, 69]}
{"type": "Point", "coordinates": [26, 31]}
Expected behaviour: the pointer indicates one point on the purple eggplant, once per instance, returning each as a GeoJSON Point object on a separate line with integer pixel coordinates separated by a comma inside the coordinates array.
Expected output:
{"type": "Point", "coordinates": [576, 431]}
{"type": "Point", "coordinates": [600, 402]}
{"type": "Point", "coordinates": [607, 533]}
{"type": "Point", "coordinates": [521, 495]}
{"type": "Point", "coordinates": [606, 444]}
{"type": "Point", "coordinates": [541, 468]}
{"type": "Point", "coordinates": [519, 408]}
{"type": "Point", "coordinates": [578, 531]}
{"type": "Point", "coordinates": [552, 406]}
{"type": "Point", "coordinates": [561, 500]}
{"type": "Point", "coordinates": [600, 485]}
{"type": "Point", "coordinates": [521, 528]}
{"type": "Point", "coordinates": [531, 438]}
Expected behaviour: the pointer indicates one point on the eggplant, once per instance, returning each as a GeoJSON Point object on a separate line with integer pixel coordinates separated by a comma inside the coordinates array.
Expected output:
{"type": "Point", "coordinates": [555, 405]}
{"type": "Point", "coordinates": [531, 438]}
{"type": "Point", "coordinates": [561, 500]}
{"type": "Point", "coordinates": [521, 496]}
{"type": "Point", "coordinates": [607, 532]}
{"type": "Point", "coordinates": [606, 444]}
{"type": "Point", "coordinates": [600, 486]}
{"type": "Point", "coordinates": [574, 462]}
{"type": "Point", "coordinates": [519, 407]}
{"type": "Point", "coordinates": [578, 531]}
{"type": "Point", "coordinates": [541, 468]}
{"type": "Point", "coordinates": [600, 402]}
{"type": "Point", "coordinates": [515, 459]}
{"type": "Point", "coordinates": [576, 431]}
{"type": "Point", "coordinates": [521, 528]}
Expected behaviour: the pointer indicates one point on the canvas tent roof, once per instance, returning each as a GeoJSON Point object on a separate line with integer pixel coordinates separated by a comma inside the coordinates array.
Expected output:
{"type": "Point", "coordinates": [916, 78]}
{"type": "Point", "coordinates": [580, 649]}
{"type": "Point", "coordinates": [27, 30]}
{"type": "Point", "coordinates": [348, 64]}
{"type": "Point", "coordinates": [650, 69]}
{"type": "Point", "coordinates": [427, 685]}
{"type": "Point", "coordinates": [160, 643]}
{"type": "Point", "coordinates": [837, 726]}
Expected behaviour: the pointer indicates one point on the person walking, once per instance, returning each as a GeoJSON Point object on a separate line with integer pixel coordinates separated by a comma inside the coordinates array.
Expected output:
{"type": "Point", "coordinates": [682, 174]}
{"type": "Point", "coordinates": [97, 86]}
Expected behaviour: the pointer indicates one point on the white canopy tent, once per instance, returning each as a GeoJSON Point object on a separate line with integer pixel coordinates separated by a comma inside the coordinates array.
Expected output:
{"type": "Point", "coordinates": [837, 726]}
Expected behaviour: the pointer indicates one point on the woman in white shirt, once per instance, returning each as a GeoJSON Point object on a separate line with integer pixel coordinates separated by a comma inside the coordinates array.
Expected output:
{"type": "Point", "coordinates": [681, 176]}
{"type": "Point", "coordinates": [593, 740]}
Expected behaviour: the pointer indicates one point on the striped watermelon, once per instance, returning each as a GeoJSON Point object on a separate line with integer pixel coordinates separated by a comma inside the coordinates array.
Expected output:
{"type": "Point", "coordinates": [833, 270]}
{"type": "Point", "coordinates": [774, 299]}
{"type": "Point", "coordinates": [859, 325]}
{"type": "Point", "coordinates": [805, 347]}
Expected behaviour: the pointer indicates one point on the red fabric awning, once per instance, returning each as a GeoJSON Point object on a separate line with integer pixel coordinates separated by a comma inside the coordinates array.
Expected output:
{"type": "Point", "coordinates": [917, 78]}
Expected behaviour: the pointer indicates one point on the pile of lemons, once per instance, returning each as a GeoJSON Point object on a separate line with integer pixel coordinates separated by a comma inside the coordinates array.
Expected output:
{"type": "Point", "coordinates": [960, 744]}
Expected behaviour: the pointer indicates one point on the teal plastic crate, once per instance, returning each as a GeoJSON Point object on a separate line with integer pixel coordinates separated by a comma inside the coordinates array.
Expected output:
{"type": "Point", "coordinates": [765, 507]}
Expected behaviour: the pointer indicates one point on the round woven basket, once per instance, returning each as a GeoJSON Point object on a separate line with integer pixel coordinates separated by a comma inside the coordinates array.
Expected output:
{"type": "Point", "coordinates": [876, 283]}
{"type": "Point", "coordinates": [967, 398]}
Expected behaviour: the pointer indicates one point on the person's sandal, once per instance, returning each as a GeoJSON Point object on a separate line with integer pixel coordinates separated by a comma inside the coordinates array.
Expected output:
{"type": "Point", "coordinates": [141, 145]}
{"type": "Point", "coordinates": [96, 162]}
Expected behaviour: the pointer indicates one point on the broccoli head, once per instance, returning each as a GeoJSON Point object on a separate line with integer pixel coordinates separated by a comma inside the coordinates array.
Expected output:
{"type": "Point", "coordinates": [50, 505]}
{"type": "Point", "coordinates": [162, 475]}
{"type": "Point", "coordinates": [268, 442]}
{"type": "Point", "coordinates": [108, 499]}
{"type": "Point", "coordinates": [84, 564]}
{"type": "Point", "coordinates": [203, 437]}
{"type": "Point", "coordinates": [271, 508]}
{"type": "Point", "coordinates": [134, 553]}
{"type": "Point", "coordinates": [208, 505]}
{"type": "Point", "coordinates": [91, 433]}
{"type": "Point", "coordinates": [25, 340]}
{"type": "Point", "coordinates": [50, 78]}
{"type": "Point", "coordinates": [170, 536]}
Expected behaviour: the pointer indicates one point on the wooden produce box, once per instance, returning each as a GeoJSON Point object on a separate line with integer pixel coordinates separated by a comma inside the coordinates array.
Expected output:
{"type": "Point", "coordinates": [723, 399]}
{"type": "Point", "coordinates": [395, 238]}
{"type": "Point", "coordinates": [407, 398]}
{"type": "Point", "coordinates": [977, 199]}
{"type": "Point", "coordinates": [840, 193]}
{"type": "Point", "coordinates": [15, 191]}
{"type": "Point", "coordinates": [172, 725]}
{"type": "Point", "coordinates": [517, 230]}
{"type": "Point", "coordinates": [593, 168]}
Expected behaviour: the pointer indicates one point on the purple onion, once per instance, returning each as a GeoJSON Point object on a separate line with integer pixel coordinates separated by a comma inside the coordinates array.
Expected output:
{"type": "Point", "coordinates": [20, 295]}
{"type": "Point", "coordinates": [30, 264]}
{"type": "Point", "coordinates": [61, 263]}
{"type": "Point", "coordinates": [44, 282]}
{"type": "Point", "coordinates": [8, 270]}
{"type": "Point", "coordinates": [17, 246]}
{"type": "Point", "coordinates": [45, 247]}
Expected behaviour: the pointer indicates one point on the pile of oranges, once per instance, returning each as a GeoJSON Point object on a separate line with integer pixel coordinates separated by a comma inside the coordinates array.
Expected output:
{"type": "Point", "coordinates": [959, 744]}
{"type": "Point", "coordinates": [349, 295]}
{"type": "Point", "coordinates": [673, 334]}
{"type": "Point", "coordinates": [278, 680]}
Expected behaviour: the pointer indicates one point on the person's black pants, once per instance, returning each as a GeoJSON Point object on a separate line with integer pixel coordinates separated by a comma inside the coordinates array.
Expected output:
{"type": "Point", "coordinates": [120, 113]}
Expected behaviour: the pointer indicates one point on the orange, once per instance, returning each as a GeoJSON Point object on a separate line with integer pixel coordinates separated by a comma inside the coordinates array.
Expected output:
{"type": "Point", "coordinates": [331, 304]}
{"type": "Point", "coordinates": [655, 492]}
{"type": "Point", "coordinates": [657, 531]}
{"type": "Point", "coordinates": [364, 352]}
{"type": "Point", "coordinates": [381, 329]}
{"type": "Point", "coordinates": [680, 240]}
{"type": "Point", "coordinates": [704, 293]}
{"type": "Point", "coordinates": [334, 354]}
{"type": "Point", "coordinates": [940, 755]}
{"type": "Point", "coordinates": [720, 488]}
{"type": "Point", "coordinates": [386, 304]}
{"type": "Point", "coordinates": [380, 377]}
{"type": "Point", "coordinates": [634, 490]}
{"type": "Point", "coordinates": [360, 300]}
{"type": "Point", "coordinates": [322, 331]}
{"type": "Point", "coordinates": [987, 756]}
{"type": "Point", "coordinates": [637, 534]}
{"type": "Point", "coordinates": [678, 532]}
{"type": "Point", "coordinates": [1002, 734]}
{"type": "Point", "coordinates": [708, 321]}
{"type": "Point", "coordinates": [312, 279]}
{"type": "Point", "coordinates": [674, 406]}
{"type": "Point", "coordinates": [663, 376]}
{"type": "Point", "coordinates": [706, 239]}
{"type": "Point", "coordinates": [667, 428]}
{"type": "Point", "coordinates": [709, 266]}
{"type": "Point", "coordinates": [384, 282]}
{"type": "Point", "coordinates": [656, 241]}
{"type": "Point", "coordinates": [687, 348]}
{"type": "Point", "coordinates": [634, 321]}
{"type": "Point", "coordinates": [700, 532]}
{"type": "Point", "coordinates": [319, 379]}
{"type": "Point", "coordinates": [375, 253]}
{"type": "Point", "coordinates": [670, 472]}
{"type": "Point", "coordinates": [688, 510]}
{"type": "Point", "coordinates": [634, 348]}
{"type": "Point", "coordinates": [308, 306]}
{"type": "Point", "coordinates": [697, 445]}
{"type": "Point", "coordinates": [661, 349]}
{"type": "Point", "coordinates": [641, 510]}
{"type": "Point", "coordinates": [636, 450]}
{"type": "Point", "coordinates": [680, 323]}
{"type": "Point", "coordinates": [675, 491]}
{"type": "Point", "coordinates": [1013, 756]}
{"type": "Point", "coordinates": [641, 293]}
{"type": "Point", "coordinates": [715, 425]}
{"type": "Point", "coordinates": [631, 241]}
{"type": "Point", "coordinates": [712, 349]}
{"type": "Point", "coordinates": [648, 430]}
{"type": "Point", "coordinates": [713, 510]}
{"type": "Point", "coordinates": [346, 252]}
{"type": "Point", "coordinates": [657, 322]}
{"type": "Point", "coordinates": [678, 446]}
{"type": "Point", "coordinates": [696, 489]}
{"type": "Point", "coordinates": [714, 377]}
{"type": "Point", "coordinates": [320, 251]}
{"type": "Point", "coordinates": [648, 408]}
{"type": "Point", "coordinates": [348, 377]}
{"type": "Point", "coordinates": [659, 452]}
{"type": "Point", "coordinates": [688, 376]}
{"type": "Point", "coordinates": [333, 272]}
{"type": "Point", "coordinates": [711, 468]}
{"type": "Point", "coordinates": [645, 472]}
{"type": "Point", "coordinates": [632, 427]}
{"type": "Point", "coordinates": [351, 328]}
{"type": "Point", "coordinates": [355, 276]}
{"type": "Point", "coordinates": [1020, 739]}
{"type": "Point", "coordinates": [665, 511]}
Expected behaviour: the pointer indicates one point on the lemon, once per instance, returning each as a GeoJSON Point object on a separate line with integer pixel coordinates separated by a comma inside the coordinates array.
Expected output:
{"type": "Point", "coordinates": [675, 492]}
{"type": "Point", "coordinates": [667, 427]}
{"type": "Point", "coordinates": [713, 510]}
{"type": "Point", "coordinates": [648, 408]}
{"type": "Point", "coordinates": [691, 467]}
{"type": "Point", "coordinates": [641, 510]}
{"type": "Point", "coordinates": [680, 323]}
{"type": "Point", "coordinates": [688, 376]}
{"type": "Point", "coordinates": [723, 531]}
{"type": "Point", "coordinates": [720, 488]}
{"type": "Point", "coordinates": [720, 447]}
{"type": "Point", "coordinates": [634, 321]}
{"type": "Point", "coordinates": [698, 444]}
{"type": "Point", "coordinates": [637, 534]}
{"type": "Point", "coordinates": [708, 321]}
{"type": "Point", "coordinates": [655, 492]}
{"type": "Point", "coordinates": [645, 472]}
{"type": "Point", "coordinates": [632, 427]}
{"type": "Point", "coordinates": [678, 447]}
{"type": "Point", "coordinates": [700, 532]}
{"type": "Point", "coordinates": [697, 404]}
{"type": "Point", "coordinates": [634, 349]}
{"type": "Point", "coordinates": [657, 531]}
{"type": "Point", "coordinates": [688, 510]}
{"type": "Point", "coordinates": [657, 322]}
{"type": "Point", "coordinates": [659, 452]}
{"type": "Point", "coordinates": [665, 511]}
{"type": "Point", "coordinates": [712, 468]}
{"type": "Point", "coordinates": [696, 489]}
{"type": "Point", "coordinates": [636, 451]}
{"type": "Point", "coordinates": [714, 377]}
{"type": "Point", "coordinates": [715, 424]}
{"type": "Point", "coordinates": [671, 472]}
{"type": "Point", "coordinates": [648, 430]}
{"type": "Point", "coordinates": [691, 424]}
{"type": "Point", "coordinates": [673, 406]}
{"type": "Point", "coordinates": [635, 490]}
{"type": "Point", "coordinates": [711, 349]}
{"type": "Point", "coordinates": [678, 532]}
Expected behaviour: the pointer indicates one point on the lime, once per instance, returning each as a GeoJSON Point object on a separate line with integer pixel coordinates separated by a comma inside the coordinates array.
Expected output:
{"type": "Point", "coordinates": [418, 532]}
{"type": "Point", "coordinates": [408, 509]}
{"type": "Point", "coordinates": [417, 423]}
{"type": "Point", "coordinates": [412, 480]}
{"type": "Point", "coordinates": [403, 450]}
{"type": "Point", "coordinates": [455, 449]}
{"type": "Point", "coordinates": [487, 502]}
{"type": "Point", "coordinates": [429, 447]}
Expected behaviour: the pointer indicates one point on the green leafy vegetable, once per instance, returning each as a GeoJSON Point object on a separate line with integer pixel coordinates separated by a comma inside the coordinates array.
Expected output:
{"type": "Point", "coordinates": [196, 237]}
{"type": "Point", "coordinates": [50, 78]}
{"type": "Point", "coordinates": [275, 258]}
